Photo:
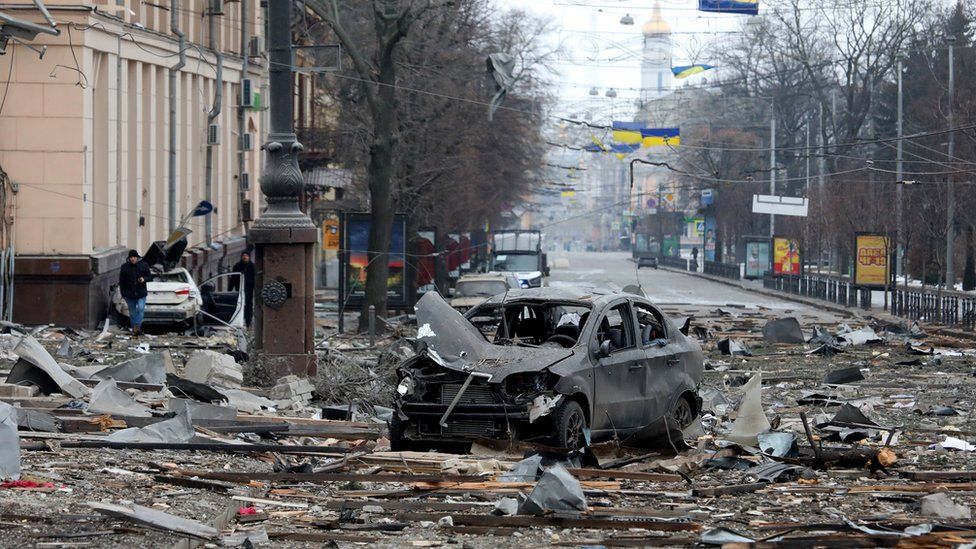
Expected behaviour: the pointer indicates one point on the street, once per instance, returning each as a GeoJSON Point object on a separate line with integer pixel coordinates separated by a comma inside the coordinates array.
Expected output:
{"type": "Point", "coordinates": [680, 293]}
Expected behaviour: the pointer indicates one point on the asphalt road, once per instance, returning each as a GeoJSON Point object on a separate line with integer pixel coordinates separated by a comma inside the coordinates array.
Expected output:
{"type": "Point", "coordinates": [661, 286]}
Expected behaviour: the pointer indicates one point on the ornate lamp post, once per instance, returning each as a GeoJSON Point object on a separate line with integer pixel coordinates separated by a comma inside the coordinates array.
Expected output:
{"type": "Point", "coordinates": [283, 235]}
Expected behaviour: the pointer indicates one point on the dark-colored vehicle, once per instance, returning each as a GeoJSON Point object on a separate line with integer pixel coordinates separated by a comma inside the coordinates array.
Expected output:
{"type": "Point", "coordinates": [564, 367]}
{"type": "Point", "coordinates": [647, 261]}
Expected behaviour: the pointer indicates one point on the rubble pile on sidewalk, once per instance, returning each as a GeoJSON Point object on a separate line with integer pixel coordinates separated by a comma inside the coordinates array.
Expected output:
{"type": "Point", "coordinates": [858, 435]}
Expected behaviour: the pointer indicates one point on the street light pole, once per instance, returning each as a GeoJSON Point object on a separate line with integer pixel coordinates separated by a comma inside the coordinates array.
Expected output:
{"type": "Point", "coordinates": [283, 235]}
{"type": "Point", "coordinates": [899, 183]}
{"type": "Point", "coordinates": [950, 187]}
{"type": "Point", "coordinates": [772, 166]}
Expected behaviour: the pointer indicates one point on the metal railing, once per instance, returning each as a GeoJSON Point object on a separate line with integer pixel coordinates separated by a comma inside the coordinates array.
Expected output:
{"type": "Point", "coordinates": [834, 290]}
{"type": "Point", "coordinates": [723, 270]}
{"type": "Point", "coordinates": [675, 263]}
{"type": "Point", "coordinates": [944, 307]}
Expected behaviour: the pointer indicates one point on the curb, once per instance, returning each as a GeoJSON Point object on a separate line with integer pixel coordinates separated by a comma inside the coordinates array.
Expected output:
{"type": "Point", "coordinates": [857, 313]}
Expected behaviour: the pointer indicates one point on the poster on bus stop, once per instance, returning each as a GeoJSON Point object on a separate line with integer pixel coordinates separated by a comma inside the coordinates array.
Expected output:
{"type": "Point", "coordinates": [786, 256]}
{"type": "Point", "coordinates": [871, 266]}
{"type": "Point", "coordinates": [355, 258]}
{"type": "Point", "coordinates": [757, 258]}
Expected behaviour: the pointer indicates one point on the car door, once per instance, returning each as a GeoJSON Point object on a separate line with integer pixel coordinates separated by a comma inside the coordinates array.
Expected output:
{"type": "Point", "coordinates": [663, 357]}
{"type": "Point", "coordinates": [223, 299]}
{"type": "Point", "coordinates": [619, 379]}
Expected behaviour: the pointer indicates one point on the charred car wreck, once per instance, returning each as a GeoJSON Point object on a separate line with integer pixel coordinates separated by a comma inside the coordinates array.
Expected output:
{"type": "Point", "coordinates": [563, 367]}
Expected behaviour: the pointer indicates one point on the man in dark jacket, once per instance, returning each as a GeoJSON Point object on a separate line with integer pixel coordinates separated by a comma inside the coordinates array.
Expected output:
{"type": "Point", "coordinates": [246, 267]}
{"type": "Point", "coordinates": [132, 285]}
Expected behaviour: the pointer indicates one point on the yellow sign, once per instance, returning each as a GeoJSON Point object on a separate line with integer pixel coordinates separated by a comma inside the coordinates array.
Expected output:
{"type": "Point", "coordinates": [330, 234]}
{"type": "Point", "coordinates": [786, 256]}
{"type": "Point", "coordinates": [871, 266]}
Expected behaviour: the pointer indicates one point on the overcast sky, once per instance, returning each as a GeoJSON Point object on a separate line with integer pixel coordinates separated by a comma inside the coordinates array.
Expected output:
{"type": "Point", "coordinates": [601, 52]}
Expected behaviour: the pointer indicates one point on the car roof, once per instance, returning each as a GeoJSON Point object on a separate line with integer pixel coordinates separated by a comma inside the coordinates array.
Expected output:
{"type": "Point", "coordinates": [582, 294]}
{"type": "Point", "coordinates": [499, 277]}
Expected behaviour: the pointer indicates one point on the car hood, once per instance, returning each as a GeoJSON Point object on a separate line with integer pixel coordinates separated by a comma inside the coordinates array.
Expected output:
{"type": "Point", "coordinates": [454, 343]}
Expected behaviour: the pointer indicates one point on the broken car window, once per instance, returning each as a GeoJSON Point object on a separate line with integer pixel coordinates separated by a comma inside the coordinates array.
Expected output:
{"type": "Point", "coordinates": [617, 326]}
{"type": "Point", "coordinates": [650, 324]}
{"type": "Point", "coordinates": [480, 288]}
{"type": "Point", "coordinates": [549, 324]}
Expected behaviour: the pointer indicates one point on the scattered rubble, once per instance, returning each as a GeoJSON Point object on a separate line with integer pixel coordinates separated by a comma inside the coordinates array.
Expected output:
{"type": "Point", "coordinates": [797, 449]}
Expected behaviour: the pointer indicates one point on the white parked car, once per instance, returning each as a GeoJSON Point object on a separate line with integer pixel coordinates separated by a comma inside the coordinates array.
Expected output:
{"type": "Point", "coordinates": [473, 289]}
{"type": "Point", "coordinates": [174, 298]}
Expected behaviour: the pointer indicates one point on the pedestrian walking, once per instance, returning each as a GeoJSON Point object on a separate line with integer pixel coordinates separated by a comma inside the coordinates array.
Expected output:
{"type": "Point", "coordinates": [246, 267]}
{"type": "Point", "coordinates": [132, 285]}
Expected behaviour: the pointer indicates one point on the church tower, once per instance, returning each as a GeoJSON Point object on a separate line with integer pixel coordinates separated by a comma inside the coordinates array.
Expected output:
{"type": "Point", "coordinates": [656, 63]}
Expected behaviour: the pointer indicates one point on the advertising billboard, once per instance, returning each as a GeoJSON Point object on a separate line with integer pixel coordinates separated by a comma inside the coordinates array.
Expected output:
{"type": "Point", "coordinates": [871, 265]}
{"type": "Point", "coordinates": [786, 256]}
{"type": "Point", "coordinates": [330, 234]}
{"type": "Point", "coordinates": [355, 258]}
{"type": "Point", "coordinates": [757, 258]}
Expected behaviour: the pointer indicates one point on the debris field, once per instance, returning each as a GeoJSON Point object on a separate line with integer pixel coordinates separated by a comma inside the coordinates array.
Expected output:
{"type": "Point", "coordinates": [822, 430]}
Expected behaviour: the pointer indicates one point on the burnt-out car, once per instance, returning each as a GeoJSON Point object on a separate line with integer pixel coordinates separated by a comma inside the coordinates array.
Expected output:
{"type": "Point", "coordinates": [562, 366]}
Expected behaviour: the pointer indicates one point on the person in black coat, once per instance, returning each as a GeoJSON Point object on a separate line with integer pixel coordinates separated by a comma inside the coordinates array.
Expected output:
{"type": "Point", "coordinates": [132, 285]}
{"type": "Point", "coordinates": [246, 267]}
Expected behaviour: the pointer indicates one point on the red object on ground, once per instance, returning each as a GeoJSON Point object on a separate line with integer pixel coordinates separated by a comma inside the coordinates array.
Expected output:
{"type": "Point", "coordinates": [25, 484]}
{"type": "Point", "coordinates": [247, 511]}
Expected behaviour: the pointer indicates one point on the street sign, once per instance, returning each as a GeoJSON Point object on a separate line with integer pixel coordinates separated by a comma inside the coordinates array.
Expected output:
{"type": "Point", "coordinates": [780, 205]}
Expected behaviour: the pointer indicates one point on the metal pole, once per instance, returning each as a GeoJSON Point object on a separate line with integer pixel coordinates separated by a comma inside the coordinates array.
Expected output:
{"type": "Point", "coordinates": [899, 184]}
{"type": "Point", "coordinates": [212, 116]}
{"type": "Point", "coordinates": [950, 190]}
{"type": "Point", "coordinates": [772, 165]}
{"type": "Point", "coordinates": [241, 110]}
{"type": "Point", "coordinates": [174, 23]}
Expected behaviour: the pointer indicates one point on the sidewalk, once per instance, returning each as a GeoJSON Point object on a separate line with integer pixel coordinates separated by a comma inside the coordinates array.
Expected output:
{"type": "Point", "coordinates": [873, 315]}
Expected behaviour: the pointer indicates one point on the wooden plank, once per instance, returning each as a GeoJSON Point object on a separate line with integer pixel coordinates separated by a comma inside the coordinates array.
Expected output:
{"type": "Point", "coordinates": [626, 475]}
{"type": "Point", "coordinates": [317, 537]}
{"type": "Point", "coordinates": [705, 492]}
{"type": "Point", "coordinates": [527, 521]}
{"type": "Point", "coordinates": [939, 475]}
{"type": "Point", "coordinates": [244, 478]}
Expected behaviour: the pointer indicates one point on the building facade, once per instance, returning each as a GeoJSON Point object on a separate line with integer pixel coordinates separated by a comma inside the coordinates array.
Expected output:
{"type": "Point", "coordinates": [85, 138]}
{"type": "Point", "coordinates": [656, 59]}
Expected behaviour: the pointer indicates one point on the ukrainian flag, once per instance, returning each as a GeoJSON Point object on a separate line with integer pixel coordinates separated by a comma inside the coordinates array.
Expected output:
{"type": "Point", "coordinates": [687, 70]}
{"type": "Point", "coordinates": [745, 7]}
{"type": "Point", "coordinates": [628, 133]}
{"type": "Point", "coordinates": [633, 133]}
{"type": "Point", "coordinates": [660, 137]}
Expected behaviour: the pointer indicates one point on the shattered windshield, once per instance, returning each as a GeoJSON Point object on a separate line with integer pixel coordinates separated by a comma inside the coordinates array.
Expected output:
{"type": "Point", "coordinates": [532, 323]}
{"type": "Point", "coordinates": [516, 263]}
{"type": "Point", "coordinates": [480, 288]}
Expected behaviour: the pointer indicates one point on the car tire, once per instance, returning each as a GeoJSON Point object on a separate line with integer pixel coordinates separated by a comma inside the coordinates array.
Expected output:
{"type": "Point", "coordinates": [397, 442]}
{"type": "Point", "coordinates": [683, 412]}
{"type": "Point", "coordinates": [570, 423]}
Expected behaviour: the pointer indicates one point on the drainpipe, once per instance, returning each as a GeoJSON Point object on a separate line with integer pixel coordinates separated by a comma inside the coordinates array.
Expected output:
{"type": "Point", "coordinates": [242, 111]}
{"type": "Point", "coordinates": [174, 25]}
{"type": "Point", "coordinates": [211, 116]}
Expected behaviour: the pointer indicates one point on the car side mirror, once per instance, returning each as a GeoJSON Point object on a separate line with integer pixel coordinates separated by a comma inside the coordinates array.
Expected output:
{"type": "Point", "coordinates": [604, 350]}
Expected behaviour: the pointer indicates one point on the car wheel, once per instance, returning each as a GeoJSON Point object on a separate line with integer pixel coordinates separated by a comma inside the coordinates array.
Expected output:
{"type": "Point", "coordinates": [570, 423]}
{"type": "Point", "coordinates": [683, 413]}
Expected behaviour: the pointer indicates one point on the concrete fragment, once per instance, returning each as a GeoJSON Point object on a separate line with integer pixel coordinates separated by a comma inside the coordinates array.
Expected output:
{"type": "Point", "coordinates": [941, 505]}
{"type": "Point", "coordinates": [202, 410]}
{"type": "Point", "coordinates": [154, 518]}
{"type": "Point", "coordinates": [246, 402]}
{"type": "Point", "coordinates": [751, 419]}
{"type": "Point", "coordinates": [214, 368]}
{"type": "Point", "coordinates": [557, 490]}
{"type": "Point", "coordinates": [38, 367]}
{"type": "Point", "coordinates": [505, 507]}
{"type": "Point", "coordinates": [17, 391]}
{"type": "Point", "coordinates": [150, 368]}
{"type": "Point", "coordinates": [107, 398]}
{"type": "Point", "coordinates": [177, 429]}
{"type": "Point", "coordinates": [783, 330]}
{"type": "Point", "coordinates": [9, 443]}
{"type": "Point", "coordinates": [291, 388]}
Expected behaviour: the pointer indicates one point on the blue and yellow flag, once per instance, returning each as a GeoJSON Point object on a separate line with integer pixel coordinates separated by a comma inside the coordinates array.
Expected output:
{"type": "Point", "coordinates": [621, 150]}
{"type": "Point", "coordinates": [632, 133]}
{"type": "Point", "coordinates": [687, 70]}
{"type": "Point", "coordinates": [744, 7]}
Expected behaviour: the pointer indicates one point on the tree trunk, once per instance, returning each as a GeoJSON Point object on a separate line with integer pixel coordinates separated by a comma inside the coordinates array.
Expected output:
{"type": "Point", "coordinates": [969, 271]}
{"type": "Point", "coordinates": [380, 176]}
